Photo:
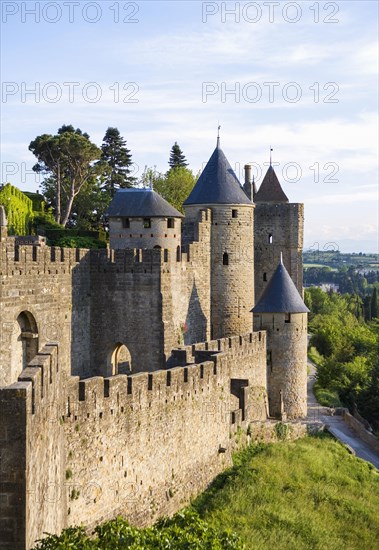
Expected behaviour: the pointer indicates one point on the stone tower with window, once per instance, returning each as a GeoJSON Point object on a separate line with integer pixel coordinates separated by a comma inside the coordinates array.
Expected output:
{"type": "Point", "coordinates": [282, 313]}
{"type": "Point", "coordinates": [140, 218]}
{"type": "Point", "coordinates": [279, 228]}
{"type": "Point", "coordinates": [232, 244]}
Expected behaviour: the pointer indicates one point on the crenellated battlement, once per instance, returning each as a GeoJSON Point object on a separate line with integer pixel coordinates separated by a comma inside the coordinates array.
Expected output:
{"type": "Point", "coordinates": [39, 382]}
{"type": "Point", "coordinates": [129, 260]}
{"type": "Point", "coordinates": [98, 398]}
{"type": "Point", "coordinates": [235, 346]}
{"type": "Point", "coordinates": [42, 380]}
{"type": "Point", "coordinates": [29, 259]}
{"type": "Point", "coordinates": [86, 398]}
{"type": "Point", "coordinates": [155, 435]}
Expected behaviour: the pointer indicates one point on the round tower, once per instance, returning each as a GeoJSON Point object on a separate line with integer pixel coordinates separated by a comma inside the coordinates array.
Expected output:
{"type": "Point", "coordinates": [140, 218]}
{"type": "Point", "coordinates": [283, 314]}
{"type": "Point", "coordinates": [232, 244]}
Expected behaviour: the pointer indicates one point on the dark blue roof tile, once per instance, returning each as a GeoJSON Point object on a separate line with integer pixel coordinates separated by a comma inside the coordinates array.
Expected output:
{"type": "Point", "coordinates": [217, 184]}
{"type": "Point", "coordinates": [280, 295]}
{"type": "Point", "coordinates": [140, 203]}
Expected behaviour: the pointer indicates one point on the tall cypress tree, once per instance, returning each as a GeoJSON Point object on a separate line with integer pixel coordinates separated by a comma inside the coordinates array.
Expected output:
{"type": "Point", "coordinates": [374, 304]}
{"type": "Point", "coordinates": [367, 308]}
{"type": "Point", "coordinates": [177, 157]}
{"type": "Point", "coordinates": [119, 160]}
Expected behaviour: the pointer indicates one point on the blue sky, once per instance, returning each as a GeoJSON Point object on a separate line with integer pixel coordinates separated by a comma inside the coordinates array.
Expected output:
{"type": "Point", "coordinates": [298, 76]}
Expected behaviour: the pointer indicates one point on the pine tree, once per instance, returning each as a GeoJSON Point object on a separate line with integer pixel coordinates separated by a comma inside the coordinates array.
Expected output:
{"type": "Point", "coordinates": [375, 304]}
{"type": "Point", "coordinates": [367, 308]}
{"type": "Point", "coordinates": [177, 157]}
{"type": "Point", "coordinates": [117, 156]}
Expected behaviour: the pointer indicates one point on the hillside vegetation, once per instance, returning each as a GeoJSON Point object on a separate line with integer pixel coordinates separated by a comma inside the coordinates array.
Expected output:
{"type": "Point", "coordinates": [345, 349]}
{"type": "Point", "coordinates": [307, 494]}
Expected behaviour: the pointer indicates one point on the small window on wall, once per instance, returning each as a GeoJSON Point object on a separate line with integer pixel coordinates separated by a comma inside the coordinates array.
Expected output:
{"type": "Point", "coordinates": [234, 213]}
{"type": "Point", "coordinates": [265, 276]}
{"type": "Point", "coordinates": [147, 223]}
{"type": "Point", "coordinates": [287, 317]}
{"type": "Point", "coordinates": [125, 223]}
{"type": "Point", "coordinates": [225, 259]}
{"type": "Point", "coordinates": [270, 239]}
{"type": "Point", "coordinates": [170, 223]}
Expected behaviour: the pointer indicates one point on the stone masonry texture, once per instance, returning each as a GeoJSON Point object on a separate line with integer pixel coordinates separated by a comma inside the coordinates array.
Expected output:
{"type": "Point", "coordinates": [80, 441]}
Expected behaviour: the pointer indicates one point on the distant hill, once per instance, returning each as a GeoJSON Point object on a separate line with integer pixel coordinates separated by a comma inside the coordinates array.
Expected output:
{"type": "Point", "coordinates": [335, 259]}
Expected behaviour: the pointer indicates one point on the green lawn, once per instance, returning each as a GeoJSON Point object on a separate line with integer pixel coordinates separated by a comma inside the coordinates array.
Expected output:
{"type": "Point", "coordinates": [307, 494]}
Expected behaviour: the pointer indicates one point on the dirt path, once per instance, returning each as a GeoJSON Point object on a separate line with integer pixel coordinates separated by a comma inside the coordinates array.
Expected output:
{"type": "Point", "coordinates": [335, 424]}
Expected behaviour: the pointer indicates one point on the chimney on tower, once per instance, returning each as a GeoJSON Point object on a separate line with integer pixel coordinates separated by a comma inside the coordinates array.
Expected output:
{"type": "Point", "coordinates": [248, 186]}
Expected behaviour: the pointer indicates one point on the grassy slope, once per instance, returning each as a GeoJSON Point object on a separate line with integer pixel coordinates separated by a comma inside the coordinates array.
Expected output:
{"type": "Point", "coordinates": [307, 494]}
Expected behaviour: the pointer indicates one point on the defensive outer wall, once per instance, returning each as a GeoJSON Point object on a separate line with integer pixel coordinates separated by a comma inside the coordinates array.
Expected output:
{"type": "Point", "coordinates": [78, 448]}
{"type": "Point", "coordinates": [82, 451]}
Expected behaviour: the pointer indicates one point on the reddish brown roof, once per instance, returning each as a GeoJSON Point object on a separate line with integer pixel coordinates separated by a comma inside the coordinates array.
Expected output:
{"type": "Point", "coordinates": [270, 189]}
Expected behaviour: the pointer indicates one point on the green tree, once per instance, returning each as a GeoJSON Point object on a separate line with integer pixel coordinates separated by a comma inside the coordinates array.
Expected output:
{"type": "Point", "coordinates": [348, 348]}
{"type": "Point", "coordinates": [175, 186]}
{"type": "Point", "coordinates": [89, 207]}
{"type": "Point", "coordinates": [367, 308]}
{"type": "Point", "coordinates": [177, 158]}
{"type": "Point", "coordinates": [368, 401]}
{"type": "Point", "coordinates": [68, 158]}
{"type": "Point", "coordinates": [50, 162]}
{"type": "Point", "coordinates": [118, 161]}
{"type": "Point", "coordinates": [374, 304]}
{"type": "Point", "coordinates": [18, 209]}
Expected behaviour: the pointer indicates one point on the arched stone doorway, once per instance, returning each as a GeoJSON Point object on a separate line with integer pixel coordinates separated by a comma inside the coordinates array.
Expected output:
{"type": "Point", "coordinates": [24, 343]}
{"type": "Point", "coordinates": [120, 360]}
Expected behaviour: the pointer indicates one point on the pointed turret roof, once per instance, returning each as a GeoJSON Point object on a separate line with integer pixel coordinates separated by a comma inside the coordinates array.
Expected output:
{"type": "Point", "coordinates": [140, 203]}
{"type": "Point", "coordinates": [280, 295]}
{"type": "Point", "coordinates": [217, 183]}
{"type": "Point", "coordinates": [270, 189]}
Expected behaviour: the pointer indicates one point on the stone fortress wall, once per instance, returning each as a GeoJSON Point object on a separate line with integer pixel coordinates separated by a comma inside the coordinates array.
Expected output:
{"type": "Point", "coordinates": [44, 296]}
{"type": "Point", "coordinates": [94, 301]}
{"type": "Point", "coordinates": [84, 450]}
{"type": "Point", "coordinates": [117, 396]}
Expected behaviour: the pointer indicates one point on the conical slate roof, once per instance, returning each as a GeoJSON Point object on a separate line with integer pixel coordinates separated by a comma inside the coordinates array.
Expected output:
{"type": "Point", "coordinates": [217, 183]}
{"type": "Point", "coordinates": [140, 203]}
{"type": "Point", "coordinates": [280, 295]}
{"type": "Point", "coordinates": [270, 189]}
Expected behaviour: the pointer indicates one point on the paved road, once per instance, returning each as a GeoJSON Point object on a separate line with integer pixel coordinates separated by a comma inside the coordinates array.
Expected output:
{"type": "Point", "coordinates": [336, 425]}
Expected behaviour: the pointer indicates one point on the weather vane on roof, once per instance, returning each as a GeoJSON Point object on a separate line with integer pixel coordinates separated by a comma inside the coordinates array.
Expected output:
{"type": "Point", "coordinates": [271, 150]}
{"type": "Point", "coordinates": [218, 134]}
